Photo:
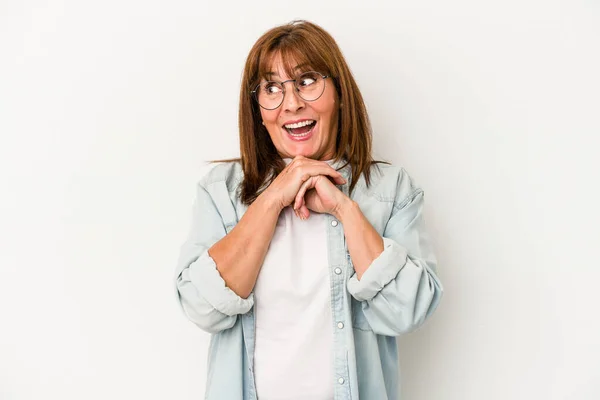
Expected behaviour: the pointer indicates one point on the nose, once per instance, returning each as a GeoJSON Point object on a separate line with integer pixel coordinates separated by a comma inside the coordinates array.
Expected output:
{"type": "Point", "coordinates": [291, 99]}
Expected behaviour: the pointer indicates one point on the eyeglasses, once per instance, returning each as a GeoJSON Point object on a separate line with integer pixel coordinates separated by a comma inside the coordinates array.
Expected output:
{"type": "Point", "coordinates": [309, 86]}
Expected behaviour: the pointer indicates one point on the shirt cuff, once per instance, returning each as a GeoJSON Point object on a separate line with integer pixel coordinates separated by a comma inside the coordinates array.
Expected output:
{"type": "Point", "coordinates": [207, 279]}
{"type": "Point", "coordinates": [381, 271]}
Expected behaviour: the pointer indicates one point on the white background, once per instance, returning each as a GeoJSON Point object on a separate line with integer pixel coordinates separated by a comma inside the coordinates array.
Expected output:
{"type": "Point", "coordinates": [109, 109]}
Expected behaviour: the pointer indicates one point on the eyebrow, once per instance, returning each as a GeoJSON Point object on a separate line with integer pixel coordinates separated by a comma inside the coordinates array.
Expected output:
{"type": "Point", "coordinates": [299, 66]}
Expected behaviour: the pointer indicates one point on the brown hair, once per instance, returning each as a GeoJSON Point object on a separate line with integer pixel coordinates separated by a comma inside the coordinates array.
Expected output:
{"type": "Point", "coordinates": [308, 44]}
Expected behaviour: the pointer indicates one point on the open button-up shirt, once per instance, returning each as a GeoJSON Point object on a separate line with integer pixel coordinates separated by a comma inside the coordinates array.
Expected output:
{"type": "Point", "coordinates": [395, 295]}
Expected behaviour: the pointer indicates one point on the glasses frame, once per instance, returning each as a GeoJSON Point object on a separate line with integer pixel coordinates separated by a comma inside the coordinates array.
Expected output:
{"type": "Point", "coordinates": [254, 94]}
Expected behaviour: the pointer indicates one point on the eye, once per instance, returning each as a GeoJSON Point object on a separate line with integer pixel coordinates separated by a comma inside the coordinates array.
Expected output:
{"type": "Point", "coordinates": [271, 88]}
{"type": "Point", "coordinates": [306, 81]}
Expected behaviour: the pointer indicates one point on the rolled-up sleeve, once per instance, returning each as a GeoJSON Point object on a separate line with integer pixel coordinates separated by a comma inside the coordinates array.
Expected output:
{"type": "Point", "coordinates": [400, 289]}
{"type": "Point", "coordinates": [201, 291]}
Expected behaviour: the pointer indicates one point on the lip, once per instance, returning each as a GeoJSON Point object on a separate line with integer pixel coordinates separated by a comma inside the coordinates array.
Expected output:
{"type": "Point", "coordinates": [296, 121]}
{"type": "Point", "coordinates": [301, 138]}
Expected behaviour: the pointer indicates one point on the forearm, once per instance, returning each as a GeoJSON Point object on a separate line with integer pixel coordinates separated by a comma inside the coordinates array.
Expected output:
{"type": "Point", "coordinates": [400, 288]}
{"type": "Point", "coordinates": [240, 254]}
{"type": "Point", "coordinates": [363, 241]}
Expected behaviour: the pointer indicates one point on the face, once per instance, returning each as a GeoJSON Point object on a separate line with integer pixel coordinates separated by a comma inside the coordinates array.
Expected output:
{"type": "Point", "coordinates": [285, 123]}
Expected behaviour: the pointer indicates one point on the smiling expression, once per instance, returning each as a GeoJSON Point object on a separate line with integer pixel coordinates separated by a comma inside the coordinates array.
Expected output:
{"type": "Point", "coordinates": [314, 121]}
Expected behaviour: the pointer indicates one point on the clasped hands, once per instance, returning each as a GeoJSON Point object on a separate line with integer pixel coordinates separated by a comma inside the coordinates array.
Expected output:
{"type": "Point", "coordinates": [308, 184]}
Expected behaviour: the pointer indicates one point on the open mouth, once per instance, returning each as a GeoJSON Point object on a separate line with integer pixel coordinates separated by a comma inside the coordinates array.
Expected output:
{"type": "Point", "coordinates": [301, 129]}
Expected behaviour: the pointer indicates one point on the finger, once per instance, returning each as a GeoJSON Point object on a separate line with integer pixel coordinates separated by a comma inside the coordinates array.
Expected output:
{"type": "Point", "coordinates": [304, 212]}
{"type": "Point", "coordinates": [334, 176]}
{"type": "Point", "coordinates": [299, 200]}
{"type": "Point", "coordinates": [340, 180]}
{"type": "Point", "coordinates": [307, 169]}
{"type": "Point", "coordinates": [301, 215]}
{"type": "Point", "coordinates": [335, 182]}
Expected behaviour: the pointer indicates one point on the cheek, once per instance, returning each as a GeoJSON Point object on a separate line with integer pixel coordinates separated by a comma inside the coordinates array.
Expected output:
{"type": "Point", "coordinates": [327, 105]}
{"type": "Point", "coordinates": [327, 111]}
{"type": "Point", "coordinates": [269, 117]}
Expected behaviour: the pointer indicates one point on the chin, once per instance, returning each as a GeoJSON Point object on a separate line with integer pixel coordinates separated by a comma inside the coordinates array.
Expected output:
{"type": "Point", "coordinates": [308, 153]}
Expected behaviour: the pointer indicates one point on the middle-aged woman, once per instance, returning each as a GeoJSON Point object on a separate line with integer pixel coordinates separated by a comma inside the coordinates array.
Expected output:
{"type": "Point", "coordinates": [305, 257]}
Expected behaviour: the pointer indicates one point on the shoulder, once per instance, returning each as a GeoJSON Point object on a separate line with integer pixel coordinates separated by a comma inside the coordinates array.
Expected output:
{"type": "Point", "coordinates": [228, 173]}
{"type": "Point", "coordinates": [389, 183]}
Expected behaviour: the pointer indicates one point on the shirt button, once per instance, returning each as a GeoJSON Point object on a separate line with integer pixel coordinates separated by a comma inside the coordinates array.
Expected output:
{"type": "Point", "coordinates": [337, 271]}
{"type": "Point", "coordinates": [334, 223]}
{"type": "Point", "coordinates": [341, 381]}
{"type": "Point", "coordinates": [340, 325]}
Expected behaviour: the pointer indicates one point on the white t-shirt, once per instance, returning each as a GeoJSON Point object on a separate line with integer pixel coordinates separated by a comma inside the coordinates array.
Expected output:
{"type": "Point", "coordinates": [293, 357]}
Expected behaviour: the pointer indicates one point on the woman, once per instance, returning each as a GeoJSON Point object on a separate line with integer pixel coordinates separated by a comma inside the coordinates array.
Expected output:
{"type": "Point", "coordinates": [305, 258]}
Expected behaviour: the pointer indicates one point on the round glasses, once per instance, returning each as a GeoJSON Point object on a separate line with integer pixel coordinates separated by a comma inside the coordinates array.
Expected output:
{"type": "Point", "coordinates": [309, 86]}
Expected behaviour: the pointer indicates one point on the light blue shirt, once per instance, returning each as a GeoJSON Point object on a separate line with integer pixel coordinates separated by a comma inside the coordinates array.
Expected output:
{"type": "Point", "coordinates": [395, 295]}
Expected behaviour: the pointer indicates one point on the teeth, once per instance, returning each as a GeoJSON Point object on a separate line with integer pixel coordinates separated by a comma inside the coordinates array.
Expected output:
{"type": "Point", "coordinates": [299, 135]}
{"type": "Point", "coordinates": [299, 124]}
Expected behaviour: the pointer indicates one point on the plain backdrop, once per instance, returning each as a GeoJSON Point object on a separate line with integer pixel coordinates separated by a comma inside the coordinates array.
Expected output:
{"type": "Point", "coordinates": [109, 111]}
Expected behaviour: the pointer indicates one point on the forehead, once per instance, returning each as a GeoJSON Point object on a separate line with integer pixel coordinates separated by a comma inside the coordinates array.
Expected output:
{"type": "Point", "coordinates": [282, 66]}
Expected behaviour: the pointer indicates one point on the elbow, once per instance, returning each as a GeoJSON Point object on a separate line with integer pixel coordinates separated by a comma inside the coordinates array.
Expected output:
{"type": "Point", "coordinates": [207, 302]}
{"type": "Point", "coordinates": [207, 318]}
{"type": "Point", "coordinates": [397, 324]}
{"type": "Point", "coordinates": [404, 317]}
{"type": "Point", "coordinates": [424, 308]}
{"type": "Point", "coordinates": [215, 325]}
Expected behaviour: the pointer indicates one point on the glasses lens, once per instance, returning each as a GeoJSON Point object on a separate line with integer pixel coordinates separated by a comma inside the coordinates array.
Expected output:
{"type": "Point", "coordinates": [269, 95]}
{"type": "Point", "coordinates": [310, 85]}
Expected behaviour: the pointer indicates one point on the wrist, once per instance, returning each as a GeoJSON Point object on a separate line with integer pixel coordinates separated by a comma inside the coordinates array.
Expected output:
{"type": "Point", "coordinates": [345, 207]}
{"type": "Point", "coordinates": [269, 203]}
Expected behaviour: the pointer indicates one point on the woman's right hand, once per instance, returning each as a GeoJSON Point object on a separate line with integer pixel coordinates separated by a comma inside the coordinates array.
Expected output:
{"type": "Point", "coordinates": [283, 190]}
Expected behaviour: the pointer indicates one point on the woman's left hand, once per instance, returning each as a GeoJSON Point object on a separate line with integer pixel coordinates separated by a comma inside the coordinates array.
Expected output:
{"type": "Point", "coordinates": [320, 195]}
